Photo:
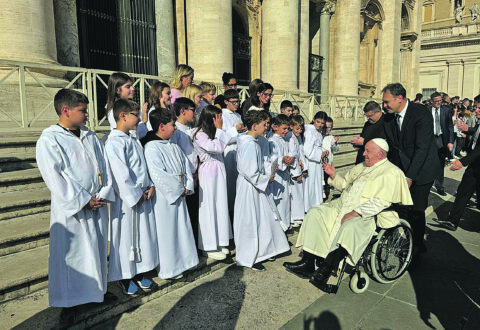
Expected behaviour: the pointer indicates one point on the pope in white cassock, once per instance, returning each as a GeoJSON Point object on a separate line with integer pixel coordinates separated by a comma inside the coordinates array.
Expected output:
{"type": "Point", "coordinates": [72, 163]}
{"type": "Point", "coordinates": [345, 226]}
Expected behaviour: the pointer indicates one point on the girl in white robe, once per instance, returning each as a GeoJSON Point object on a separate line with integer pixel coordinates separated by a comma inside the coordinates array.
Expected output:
{"type": "Point", "coordinates": [215, 229]}
{"type": "Point", "coordinates": [133, 244]}
{"type": "Point", "coordinates": [75, 170]}
{"type": "Point", "coordinates": [313, 150]}
{"type": "Point", "coordinates": [258, 236]}
{"type": "Point", "coordinates": [169, 170]}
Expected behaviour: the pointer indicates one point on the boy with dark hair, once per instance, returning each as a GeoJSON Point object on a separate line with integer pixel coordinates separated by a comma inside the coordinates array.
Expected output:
{"type": "Point", "coordinates": [257, 232]}
{"type": "Point", "coordinates": [280, 187]}
{"type": "Point", "coordinates": [71, 160]}
{"type": "Point", "coordinates": [286, 107]}
{"type": "Point", "coordinates": [170, 172]}
{"type": "Point", "coordinates": [133, 243]}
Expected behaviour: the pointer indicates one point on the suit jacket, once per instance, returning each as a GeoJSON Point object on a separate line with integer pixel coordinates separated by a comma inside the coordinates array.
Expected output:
{"type": "Point", "coordinates": [446, 124]}
{"type": "Point", "coordinates": [413, 149]}
{"type": "Point", "coordinates": [473, 156]}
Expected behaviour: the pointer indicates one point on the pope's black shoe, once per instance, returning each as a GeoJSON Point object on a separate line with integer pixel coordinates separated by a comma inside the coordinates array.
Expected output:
{"type": "Point", "coordinates": [320, 277]}
{"type": "Point", "coordinates": [303, 268]}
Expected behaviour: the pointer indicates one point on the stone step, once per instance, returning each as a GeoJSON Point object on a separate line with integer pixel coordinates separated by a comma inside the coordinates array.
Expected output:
{"type": "Point", "coordinates": [23, 273]}
{"type": "Point", "coordinates": [21, 180]}
{"type": "Point", "coordinates": [18, 161]}
{"type": "Point", "coordinates": [24, 233]}
{"type": "Point", "coordinates": [17, 203]}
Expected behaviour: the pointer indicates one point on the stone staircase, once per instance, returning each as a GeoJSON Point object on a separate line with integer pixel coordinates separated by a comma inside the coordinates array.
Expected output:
{"type": "Point", "coordinates": [25, 214]}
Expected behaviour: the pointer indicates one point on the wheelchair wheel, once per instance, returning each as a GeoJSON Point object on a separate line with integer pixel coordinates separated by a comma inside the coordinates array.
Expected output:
{"type": "Point", "coordinates": [359, 282]}
{"type": "Point", "coordinates": [392, 253]}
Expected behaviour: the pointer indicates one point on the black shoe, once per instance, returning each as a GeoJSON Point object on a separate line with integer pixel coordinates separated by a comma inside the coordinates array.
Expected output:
{"type": "Point", "coordinates": [303, 268]}
{"type": "Point", "coordinates": [441, 192]}
{"type": "Point", "coordinates": [320, 277]}
{"type": "Point", "coordinates": [447, 224]}
{"type": "Point", "coordinates": [258, 267]}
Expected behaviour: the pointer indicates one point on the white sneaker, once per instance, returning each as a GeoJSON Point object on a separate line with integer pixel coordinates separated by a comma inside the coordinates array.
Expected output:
{"type": "Point", "coordinates": [217, 255]}
{"type": "Point", "coordinates": [225, 250]}
{"type": "Point", "coordinates": [179, 276]}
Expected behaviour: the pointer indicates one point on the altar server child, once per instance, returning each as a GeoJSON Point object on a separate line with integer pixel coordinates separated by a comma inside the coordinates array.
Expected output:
{"type": "Point", "coordinates": [72, 163]}
{"type": "Point", "coordinates": [133, 243]}
{"type": "Point", "coordinates": [314, 152]}
{"type": "Point", "coordinates": [297, 169]}
{"type": "Point", "coordinates": [169, 170]}
{"type": "Point", "coordinates": [120, 86]}
{"type": "Point", "coordinates": [330, 143]}
{"type": "Point", "coordinates": [185, 111]}
{"type": "Point", "coordinates": [233, 126]}
{"type": "Point", "coordinates": [215, 230]}
{"type": "Point", "coordinates": [280, 187]}
{"type": "Point", "coordinates": [258, 236]}
{"type": "Point", "coordinates": [286, 107]}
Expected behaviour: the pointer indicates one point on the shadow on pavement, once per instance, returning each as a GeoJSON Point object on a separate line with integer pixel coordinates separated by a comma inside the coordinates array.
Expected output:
{"type": "Point", "coordinates": [443, 278]}
{"type": "Point", "coordinates": [326, 320]}
{"type": "Point", "coordinates": [212, 305]}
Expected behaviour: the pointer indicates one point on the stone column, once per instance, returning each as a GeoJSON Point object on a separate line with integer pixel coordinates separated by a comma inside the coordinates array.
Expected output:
{"type": "Point", "coordinates": [455, 77]}
{"type": "Point", "coordinates": [66, 32]}
{"type": "Point", "coordinates": [209, 37]}
{"type": "Point", "coordinates": [27, 31]}
{"type": "Point", "coordinates": [390, 55]}
{"type": "Point", "coordinates": [347, 47]}
{"type": "Point", "coordinates": [471, 78]}
{"type": "Point", "coordinates": [165, 38]}
{"type": "Point", "coordinates": [326, 8]}
{"type": "Point", "coordinates": [304, 45]}
{"type": "Point", "coordinates": [280, 43]}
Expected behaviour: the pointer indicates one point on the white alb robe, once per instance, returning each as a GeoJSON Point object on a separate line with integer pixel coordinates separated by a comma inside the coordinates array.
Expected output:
{"type": "Point", "coordinates": [279, 189]}
{"type": "Point", "coordinates": [230, 120]}
{"type": "Point", "coordinates": [331, 146]}
{"type": "Point", "coordinates": [366, 190]}
{"type": "Point", "coordinates": [183, 138]}
{"type": "Point", "coordinates": [167, 165]}
{"type": "Point", "coordinates": [313, 185]}
{"type": "Point", "coordinates": [258, 236]}
{"type": "Point", "coordinates": [77, 263]}
{"type": "Point", "coordinates": [133, 231]}
{"type": "Point", "coordinates": [214, 228]}
{"type": "Point", "coordinates": [295, 147]}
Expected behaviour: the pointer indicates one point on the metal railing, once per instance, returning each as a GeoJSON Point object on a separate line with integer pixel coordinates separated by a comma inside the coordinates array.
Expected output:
{"type": "Point", "coordinates": [49, 78]}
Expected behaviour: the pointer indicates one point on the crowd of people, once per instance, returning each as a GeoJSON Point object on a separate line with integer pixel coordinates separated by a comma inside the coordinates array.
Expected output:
{"type": "Point", "coordinates": [189, 171]}
{"type": "Point", "coordinates": [186, 172]}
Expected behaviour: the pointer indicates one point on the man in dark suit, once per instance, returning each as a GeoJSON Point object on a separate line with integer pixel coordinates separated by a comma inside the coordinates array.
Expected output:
{"type": "Point", "coordinates": [444, 136]}
{"type": "Point", "coordinates": [471, 178]}
{"type": "Point", "coordinates": [372, 129]}
{"type": "Point", "coordinates": [409, 130]}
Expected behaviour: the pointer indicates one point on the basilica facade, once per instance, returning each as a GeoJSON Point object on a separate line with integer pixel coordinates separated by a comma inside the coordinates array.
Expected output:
{"type": "Point", "coordinates": [450, 51]}
{"type": "Point", "coordinates": [344, 47]}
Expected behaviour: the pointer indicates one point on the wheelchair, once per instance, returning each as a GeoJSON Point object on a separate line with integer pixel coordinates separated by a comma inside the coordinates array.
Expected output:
{"type": "Point", "coordinates": [385, 259]}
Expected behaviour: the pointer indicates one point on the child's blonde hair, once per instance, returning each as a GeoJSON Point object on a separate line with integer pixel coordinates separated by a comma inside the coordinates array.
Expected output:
{"type": "Point", "coordinates": [207, 87]}
{"type": "Point", "coordinates": [191, 91]}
